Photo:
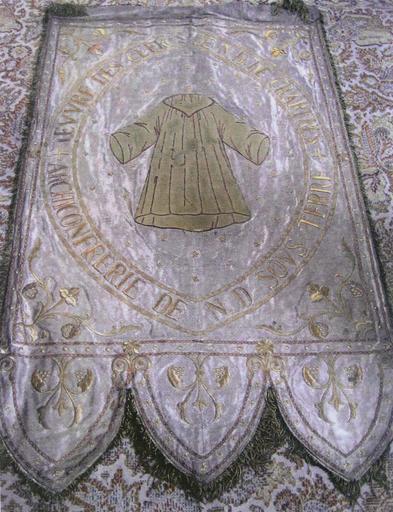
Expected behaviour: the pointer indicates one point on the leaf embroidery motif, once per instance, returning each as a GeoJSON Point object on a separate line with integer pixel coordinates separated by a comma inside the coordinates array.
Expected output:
{"type": "Point", "coordinates": [310, 376]}
{"type": "Point", "coordinates": [45, 307]}
{"type": "Point", "coordinates": [63, 395]}
{"type": "Point", "coordinates": [198, 393]}
{"type": "Point", "coordinates": [175, 374]}
{"type": "Point", "coordinates": [336, 386]}
{"type": "Point", "coordinates": [328, 304]}
{"type": "Point", "coordinates": [318, 329]}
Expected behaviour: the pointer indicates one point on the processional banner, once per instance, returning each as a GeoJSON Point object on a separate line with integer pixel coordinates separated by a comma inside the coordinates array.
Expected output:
{"type": "Point", "coordinates": [190, 227]}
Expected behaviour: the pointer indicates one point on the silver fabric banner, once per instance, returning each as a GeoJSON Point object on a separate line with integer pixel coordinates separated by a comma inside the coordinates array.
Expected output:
{"type": "Point", "coordinates": [190, 227]}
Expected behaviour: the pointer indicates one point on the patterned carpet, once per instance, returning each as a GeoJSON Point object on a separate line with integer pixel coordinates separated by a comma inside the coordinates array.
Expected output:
{"type": "Point", "coordinates": [360, 34]}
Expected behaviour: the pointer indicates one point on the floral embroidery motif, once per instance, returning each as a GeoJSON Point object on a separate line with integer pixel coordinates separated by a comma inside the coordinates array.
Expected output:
{"type": "Point", "coordinates": [63, 393]}
{"type": "Point", "coordinates": [48, 301]}
{"type": "Point", "coordinates": [198, 393]}
{"type": "Point", "coordinates": [336, 385]}
{"type": "Point", "coordinates": [334, 305]}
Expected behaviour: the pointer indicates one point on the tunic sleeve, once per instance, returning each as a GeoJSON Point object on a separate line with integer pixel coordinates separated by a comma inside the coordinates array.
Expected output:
{"type": "Point", "coordinates": [249, 142]}
{"type": "Point", "coordinates": [130, 141]}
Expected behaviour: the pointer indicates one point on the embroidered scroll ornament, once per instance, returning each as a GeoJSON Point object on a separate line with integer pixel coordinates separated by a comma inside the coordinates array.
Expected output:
{"type": "Point", "coordinates": [125, 366]}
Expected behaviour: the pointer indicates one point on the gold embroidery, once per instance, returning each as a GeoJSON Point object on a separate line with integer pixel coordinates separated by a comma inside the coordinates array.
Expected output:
{"type": "Point", "coordinates": [334, 306]}
{"type": "Point", "coordinates": [278, 52]}
{"type": "Point", "coordinates": [334, 385]}
{"type": "Point", "coordinates": [265, 360]}
{"type": "Point", "coordinates": [198, 388]}
{"type": "Point", "coordinates": [7, 364]}
{"type": "Point", "coordinates": [63, 393]}
{"type": "Point", "coordinates": [50, 307]}
{"type": "Point", "coordinates": [125, 366]}
{"type": "Point", "coordinates": [113, 72]}
{"type": "Point", "coordinates": [185, 130]}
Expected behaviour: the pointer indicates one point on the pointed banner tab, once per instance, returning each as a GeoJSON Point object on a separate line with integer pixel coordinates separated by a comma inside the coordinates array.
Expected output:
{"type": "Point", "coordinates": [201, 407]}
{"type": "Point", "coordinates": [339, 406]}
{"type": "Point", "coordinates": [58, 414]}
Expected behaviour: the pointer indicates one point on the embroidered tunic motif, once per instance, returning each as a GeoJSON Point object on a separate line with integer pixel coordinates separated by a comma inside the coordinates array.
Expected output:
{"type": "Point", "coordinates": [190, 184]}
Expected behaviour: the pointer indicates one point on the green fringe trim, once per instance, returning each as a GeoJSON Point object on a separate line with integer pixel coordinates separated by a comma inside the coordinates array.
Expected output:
{"type": "Point", "coordinates": [271, 435]}
{"type": "Point", "coordinates": [65, 10]}
{"type": "Point", "coordinates": [294, 6]}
